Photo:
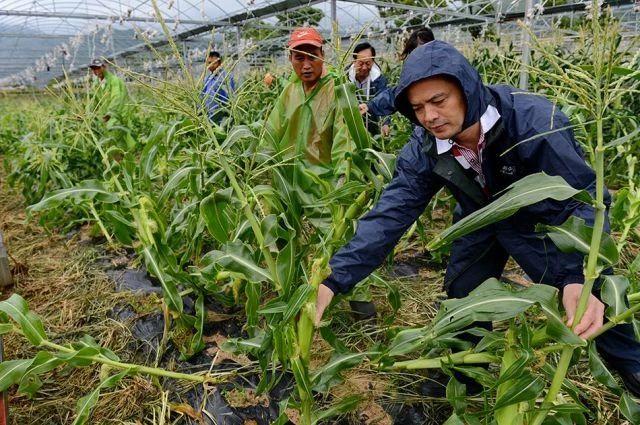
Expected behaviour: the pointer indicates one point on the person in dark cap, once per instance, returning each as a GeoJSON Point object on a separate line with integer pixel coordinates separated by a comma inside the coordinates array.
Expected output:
{"type": "Point", "coordinates": [468, 139]}
{"type": "Point", "coordinates": [110, 96]}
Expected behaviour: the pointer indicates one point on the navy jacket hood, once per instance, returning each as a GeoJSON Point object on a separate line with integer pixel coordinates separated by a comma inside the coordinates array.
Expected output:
{"type": "Point", "coordinates": [439, 58]}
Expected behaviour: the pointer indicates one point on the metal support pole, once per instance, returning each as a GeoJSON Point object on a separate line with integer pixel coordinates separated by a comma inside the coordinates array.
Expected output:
{"type": "Point", "coordinates": [5, 281]}
{"type": "Point", "coordinates": [4, 400]}
{"type": "Point", "coordinates": [335, 34]}
{"type": "Point", "coordinates": [526, 44]}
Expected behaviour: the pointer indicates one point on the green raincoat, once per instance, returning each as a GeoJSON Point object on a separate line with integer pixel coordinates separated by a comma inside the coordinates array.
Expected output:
{"type": "Point", "coordinates": [309, 126]}
{"type": "Point", "coordinates": [110, 97]}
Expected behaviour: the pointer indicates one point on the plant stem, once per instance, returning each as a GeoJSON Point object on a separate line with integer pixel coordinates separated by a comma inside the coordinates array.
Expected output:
{"type": "Point", "coordinates": [591, 272]}
{"type": "Point", "coordinates": [104, 231]}
{"type": "Point", "coordinates": [134, 367]}
{"type": "Point", "coordinates": [634, 297]}
{"type": "Point", "coordinates": [622, 317]}
{"type": "Point", "coordinates": [462, 357]}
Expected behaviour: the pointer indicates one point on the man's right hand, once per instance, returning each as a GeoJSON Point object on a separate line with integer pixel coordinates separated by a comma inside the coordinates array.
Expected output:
{"type": "Point", "coordinates": [363, 108]}
{"type": "Point", "coordinates": [325, 295]}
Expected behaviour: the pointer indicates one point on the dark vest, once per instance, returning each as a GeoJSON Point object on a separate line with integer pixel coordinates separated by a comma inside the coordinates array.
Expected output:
{"type": "Point", "coordinates": [500, 166]}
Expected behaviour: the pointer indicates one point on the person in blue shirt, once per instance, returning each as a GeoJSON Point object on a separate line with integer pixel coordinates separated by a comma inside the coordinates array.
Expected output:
{"type": "Point", "coordinates": [218, 86]}
{"type": "Point", "coordinates": [468, 138]}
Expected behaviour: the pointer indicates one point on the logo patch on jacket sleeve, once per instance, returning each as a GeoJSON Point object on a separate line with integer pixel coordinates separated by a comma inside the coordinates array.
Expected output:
{"type": "Point", "coordinates": [508, 170]}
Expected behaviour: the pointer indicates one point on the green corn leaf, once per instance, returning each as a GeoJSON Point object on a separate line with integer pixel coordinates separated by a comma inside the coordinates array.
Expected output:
{"type": "Point", "coordinates": [525, 388]}
{"type": "Point", "coordinates": [494, 301]}
{"type": "Point", "coordinates": [147, 160]}
{"type": "Point", "coordinates": [43, 362]}
{"type": "Point", "coordinates": [329, 336]}
{"type": "Point", "coordinates": [489, 340]}
{"type": "Point", "coordinates": [301, 375]}
{"type": "Point", "coordinates": [385, 163]}
{"type": "Point", "coordinates": [12, 371]}
{"type": "Point", "coordinates": [491, 301]}
{"type": "Point", "coordinates": [575, 236]}
{"type": "Point", "coordinates": [236, 257]}
{"type": "Point", "coordinates": [329, 374]}
{"type": "Point", "coordinates": [348, 106]}
{"type": "Point", "coordinates": [456, 394]}
{"type": "Point", "coordinates": [600, 371]}
{"type": "Point", "coordinates": [214, 210]}
{"type": "Point", "coordinates": [272, 229]}
{"type": "Point", "coordinates": [614, 294]}
{"type": "Point", "coordinates": [345, 405]}
{"type": "Point", "coordinates": [298, 299]}
{"type": "Point", "coordinates": [236, 134]}
{"type": "Point", "coordinates": [197, 344]}
{"type": "Point", "coordinates": [526, 191]}
{"type": "Point", "coordinates": [238, 345]}
{"type": "Point", "coordinates": [517, 368]}
{"type": "Point", "coordinates": [5, 328]}
{"type": "Point", "coordinates": [79, 358]}
{"type": "Point", "coordinates": [29, 385]}
{"type": "Point", "coordinates": [85, 190]}
{"type": "Point", "coordinates": [178, 179]}
{"type": "Point", "coordinates": [121, 227]}
{"type": "Point", "coordinates": [273, 307]}
{"type": "Point", "coordinates": [629, 408]}
{"type": "Point", "coordinates": [88, 341]}
{"type": "Point", "coordinates": [18, 309]}
{"type": "Point", "coordinates": [479, 374]}
{"type": "Point", "coordinates": [282, 419]}
{"type": "Point", "coordinates": [624, 139]}
{"type": "Point", "coordinates": [410, 340]}
{"type": "Point", "coordinates": [286, 264]}
{"type": "Point", "coordinates": [634, 267]}
{"type": "Point", "coordinates": [252, 290]}
{"type": "Point", "coordinates": [558, 330]}
{"type": "Point", "coordinates": [343, 194]}
{"type": "Point", "coordinates": [567, 386]}
{"type": "Point", "coordinates": [169, 289]}
{"type": "Point", "coordinates": [454, 420]}
{"type": "Point", "coordinates": [86, 403]}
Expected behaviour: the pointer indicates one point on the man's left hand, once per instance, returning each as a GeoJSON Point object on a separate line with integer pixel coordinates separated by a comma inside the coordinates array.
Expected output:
{"type": "Point", "coordinates": [593, 318]}
{"type": "Point", "coordinates": [106, 118]}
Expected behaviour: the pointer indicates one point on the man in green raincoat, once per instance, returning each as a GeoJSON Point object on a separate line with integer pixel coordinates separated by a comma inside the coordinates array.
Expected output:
{"type": "Point", "coordinates": [110, 101]}
{"type": "Point", "coordinates": [306, 124]}
{"type": "Point", "coordinates": [305, 121]}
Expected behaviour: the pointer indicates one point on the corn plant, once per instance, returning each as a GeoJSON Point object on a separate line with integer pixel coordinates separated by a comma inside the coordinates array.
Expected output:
{"type": "Point", "coordinates": [15, 317]}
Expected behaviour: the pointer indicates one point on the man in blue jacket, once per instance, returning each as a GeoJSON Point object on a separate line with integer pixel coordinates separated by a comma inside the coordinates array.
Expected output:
{"type": "Point", "coordinates": [367, 76]}
{"type": "Point", "coordinates": [217, 87]}
{"type": "Point", "coordinates": [382, 104]}
{"type": "Point", "coordinates": [467, 140]}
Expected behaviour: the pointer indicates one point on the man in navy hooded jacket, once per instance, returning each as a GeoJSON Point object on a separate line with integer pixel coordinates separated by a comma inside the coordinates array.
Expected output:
{"type": "Point", "coordinates": [463, 130]}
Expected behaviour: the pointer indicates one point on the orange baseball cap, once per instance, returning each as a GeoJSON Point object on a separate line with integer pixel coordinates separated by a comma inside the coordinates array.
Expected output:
{"type": "Point", "coordinates": [301, 36]}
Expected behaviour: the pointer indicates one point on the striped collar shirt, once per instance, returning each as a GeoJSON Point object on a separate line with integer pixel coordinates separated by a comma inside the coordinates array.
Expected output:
{"type": "Point", "coordinates": [468, 158]}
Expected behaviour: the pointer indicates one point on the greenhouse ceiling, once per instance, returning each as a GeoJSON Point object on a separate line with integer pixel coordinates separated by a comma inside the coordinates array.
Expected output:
{"type": "Point", "coordinates": [42, 39]}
